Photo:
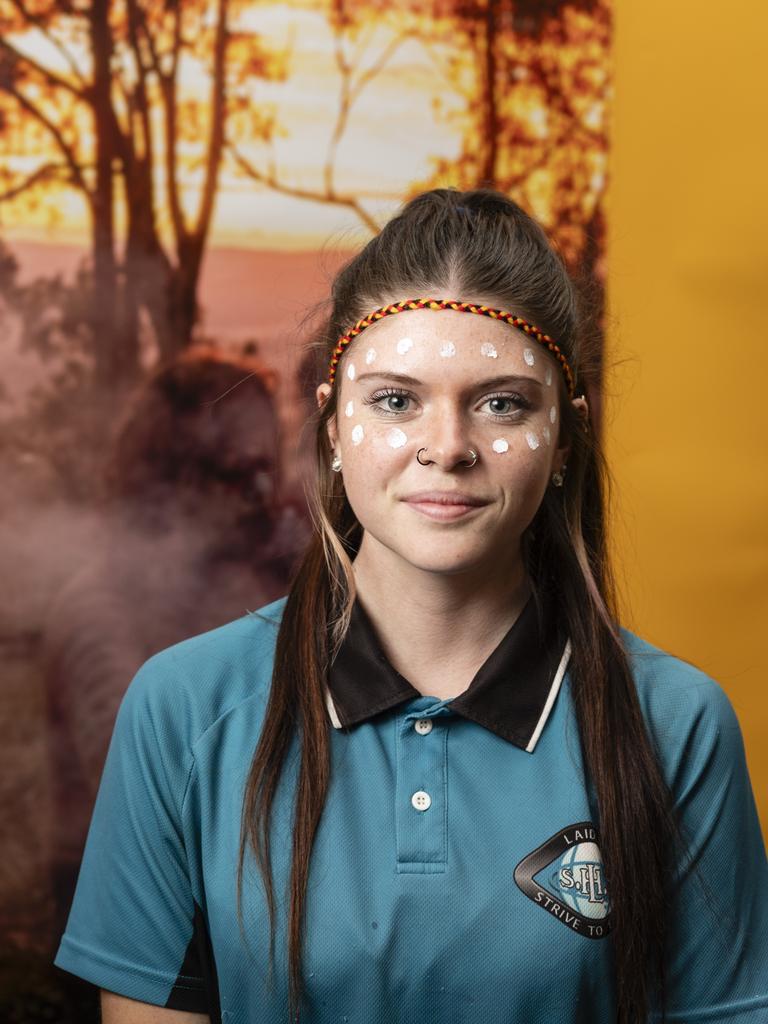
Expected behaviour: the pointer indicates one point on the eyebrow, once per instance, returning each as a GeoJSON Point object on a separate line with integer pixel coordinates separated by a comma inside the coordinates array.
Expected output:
{"type": "Point", "coordinates": [491, 382]}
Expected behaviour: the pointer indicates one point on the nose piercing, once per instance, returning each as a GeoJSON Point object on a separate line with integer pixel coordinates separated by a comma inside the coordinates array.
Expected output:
{"type": "Point", "coordinates": [472, 452]}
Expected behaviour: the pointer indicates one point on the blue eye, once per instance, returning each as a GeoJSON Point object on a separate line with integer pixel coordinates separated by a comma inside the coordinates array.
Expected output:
{"type": "Point", "coordinates": [379, 396]}
{"type": "Point", "coordinates": [520, 402]}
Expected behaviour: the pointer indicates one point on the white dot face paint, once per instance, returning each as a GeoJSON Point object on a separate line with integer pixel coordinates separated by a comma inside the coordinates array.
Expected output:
{"type": "Point", "coordinates": [447, 349]}
{"type": "Point", "coordinates": [388, 434]}
{"type": "Point", "coordinates": [351, 371]}
{"type": "Point", "coordinates": [552, 414]}
{"type": "Point", "coordinates": [529, 356]}
{"type": "Point", "coordinates": [396, 438]}
{"type": "Point", "coordinates": [349, 408]}
{"type": "Point", "coordinates": [370, 355]}
{"type": "Point", "coordinates": [548, 376]}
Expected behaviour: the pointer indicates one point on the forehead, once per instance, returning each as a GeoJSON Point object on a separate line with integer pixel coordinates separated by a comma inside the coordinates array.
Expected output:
{"type": "Point", "coordinates": [443, 339]}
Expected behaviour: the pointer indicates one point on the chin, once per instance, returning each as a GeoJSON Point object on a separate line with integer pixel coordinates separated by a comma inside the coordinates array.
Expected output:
{"type": "Point", "coordinates": [444, 561]}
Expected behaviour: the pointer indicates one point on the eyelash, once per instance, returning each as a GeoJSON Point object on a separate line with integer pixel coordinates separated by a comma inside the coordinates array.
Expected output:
{"type": "Point", "coordinates": [387, 392]}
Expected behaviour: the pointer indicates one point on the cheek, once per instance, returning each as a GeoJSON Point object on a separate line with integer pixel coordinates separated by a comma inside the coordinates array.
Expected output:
{"type": "Point", "coordinates": [522, 441]}
{"type": "Point", "coordinates": [519, 459]}
{"type": "Point", "coordinates": [368, 442]}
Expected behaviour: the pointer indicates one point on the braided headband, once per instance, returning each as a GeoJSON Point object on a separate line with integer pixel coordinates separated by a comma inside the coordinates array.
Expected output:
{"type": "Point", "coordinates": [460, 307]}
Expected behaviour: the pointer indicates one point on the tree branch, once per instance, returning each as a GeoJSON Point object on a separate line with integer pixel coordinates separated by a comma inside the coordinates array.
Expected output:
{"type": "Point", "coordinates": [37, 21]}
{"type": "Point", "coordinates": [135, 18]}
{"type": "Point", "coordinates": [453, 84]}
{"type": "Point", "coordinates": [329, 196]}
{"type": "Point", "coordinates": [45, 173]}
{"type": "Point", "coordinates": [377, 65]}
{"type": "Point", "coordinates": [216, 134]}
{"type": "Point", "coordinates": [66, 149]}
{"type": "Point", "coordinates": [141, 25]}
{"type": "Point", "coordinates": [168, 93]}
{"type": "Point", "coordinates": [50, 76]}
{"type": "Point", "coordinates": [350, 90]}
{"type": "Point", "coordinates": [345, 71]}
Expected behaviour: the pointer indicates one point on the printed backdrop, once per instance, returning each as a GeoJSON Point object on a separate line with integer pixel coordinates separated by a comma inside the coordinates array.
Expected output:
{"type": "Point", "coordinates": [178, 183]}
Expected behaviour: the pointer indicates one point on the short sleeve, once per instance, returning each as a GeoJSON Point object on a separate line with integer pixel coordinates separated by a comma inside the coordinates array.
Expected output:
{"type": "Point", "coordinates": [718, 966]}
{"type": "Point", "coordinates": [133, 920]}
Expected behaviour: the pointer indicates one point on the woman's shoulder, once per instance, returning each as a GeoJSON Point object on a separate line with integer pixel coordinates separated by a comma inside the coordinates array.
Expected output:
{"type": "Point", "coordinates": [687, 711]}
{"type": "Point", "coordinates": [661, 676]}
{"type": "Point", "coordinates": [192, 683]}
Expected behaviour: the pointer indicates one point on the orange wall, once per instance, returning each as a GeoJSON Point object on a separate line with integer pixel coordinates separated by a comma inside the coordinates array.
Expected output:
{"type": "Point", "coordinates": [685, 412]}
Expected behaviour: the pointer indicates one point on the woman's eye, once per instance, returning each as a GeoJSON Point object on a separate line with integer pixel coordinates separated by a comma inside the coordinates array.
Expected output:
{"type": "Point", "coordinates": [512, 404]}
{"type": "Point", "coordinates": [390, 393]}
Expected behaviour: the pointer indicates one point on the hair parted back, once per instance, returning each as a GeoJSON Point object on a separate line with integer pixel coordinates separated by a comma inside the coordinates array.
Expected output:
{"type": "Point", "coordinates": [481, 246]}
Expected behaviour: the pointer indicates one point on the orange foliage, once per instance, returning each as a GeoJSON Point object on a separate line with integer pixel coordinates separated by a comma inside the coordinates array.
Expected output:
{"type": "Point", "coordinates": [535, 117]}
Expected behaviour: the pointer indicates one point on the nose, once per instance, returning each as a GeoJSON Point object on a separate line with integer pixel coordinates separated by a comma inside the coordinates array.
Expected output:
{"type": "Point", "coordinates": [447, 439]}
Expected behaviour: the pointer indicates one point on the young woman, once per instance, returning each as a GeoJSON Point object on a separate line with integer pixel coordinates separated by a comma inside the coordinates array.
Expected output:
{"type": "Point", "coordinates": [437, 781]}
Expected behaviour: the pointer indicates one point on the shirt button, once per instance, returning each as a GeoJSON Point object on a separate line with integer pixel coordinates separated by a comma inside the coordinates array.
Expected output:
{"type": "Point", "coordinates": [421, 800]}
{"type": "Point", "coordinates": [423, 725]}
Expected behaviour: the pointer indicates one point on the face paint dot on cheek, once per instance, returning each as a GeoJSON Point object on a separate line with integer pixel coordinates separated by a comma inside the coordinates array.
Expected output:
{"type": "Point", "coordinates": [552, 414]}
{"type": "Point", "coordinates": [404, 345]}
{"type": "Point", "coordinates": [500, 445]}
{"type": "Point", "coordinates": [351, 371]}
{"type": "Point", "coordinates": [349, 408]}
{"type": "Point", "coordinates": [548, 376]}
{"type": "Point", "coordinates": [357, 434]}
{"type": "Point", "coordinates": [447, 349]}
{"type": "Point", "coordinates": [396, 438]}
{"type": "Point", "coordinates": [529, 357]}
{"type": "Point", "coordinates": [547, 435]}
{"type": "Point", "coordinates": [487, 349]}
{"type": "Point", "coordinates": [370, 355]}
{"type": "Point", "coordinates": [533, 441]}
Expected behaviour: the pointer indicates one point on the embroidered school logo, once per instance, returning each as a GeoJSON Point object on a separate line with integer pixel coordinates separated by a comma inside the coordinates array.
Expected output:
{"type": "Point", "coordinates": [565, 877]}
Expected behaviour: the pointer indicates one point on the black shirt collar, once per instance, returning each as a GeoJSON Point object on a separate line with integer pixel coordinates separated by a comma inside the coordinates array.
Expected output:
{"type": "Point", "coordinates": [511, 694]}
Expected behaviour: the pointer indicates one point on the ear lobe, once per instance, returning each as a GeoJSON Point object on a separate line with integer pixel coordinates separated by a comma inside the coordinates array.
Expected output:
{"type": "Point", "coordinates": [332, 432]}
{"type": "Point", "coordinates": [581, 406]}
{"type": "Point", "coordinates": [322, 394]}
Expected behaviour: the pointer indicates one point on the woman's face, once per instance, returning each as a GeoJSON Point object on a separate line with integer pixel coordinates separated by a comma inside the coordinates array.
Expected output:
{"type": "Point", "coordinates": [475, 383]}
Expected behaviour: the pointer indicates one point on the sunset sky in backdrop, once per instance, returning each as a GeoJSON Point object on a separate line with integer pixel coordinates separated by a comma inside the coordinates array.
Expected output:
{"type": "Point", "coordinates": [391, 140]}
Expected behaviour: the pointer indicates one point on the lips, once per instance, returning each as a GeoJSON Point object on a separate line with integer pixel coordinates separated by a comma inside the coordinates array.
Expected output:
{"type": "Point", "coordinates": [446, 498]}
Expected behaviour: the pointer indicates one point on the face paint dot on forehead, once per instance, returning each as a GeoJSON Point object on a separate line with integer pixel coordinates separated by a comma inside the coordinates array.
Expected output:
{"type": "Point", "coordinates": [447, 349]}
{"type": "Point", "coordinates": [547, 435]}
{"type": "Point", "coordinates": [500, 445]}
{"type": "Point", "coordinates": [396, 438]}
{"type": "Point", "coordinates": [529, 356]}
{"type": "Point", "coordinates": [552, 414]}
{"type": "Point", "coordinates": [349, 408]}
{"type": "Point", "coordinates": [548, 376]}
{"type": "Point", "coordinates": [357, 434]}
{"type": "Point", "coordinates": [370, 355]}
{"type": "Point", "coordinates": [351, 371]}
{"type": "Point", "coordinates": [533, 441]}
{"type": "Point", "coordinates": [404, 345]}
{"type": "Point", "coordinates": [487, 349]}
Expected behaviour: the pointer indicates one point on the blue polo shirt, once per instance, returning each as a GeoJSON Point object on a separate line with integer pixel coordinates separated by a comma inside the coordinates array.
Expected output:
{"type": "Point", "coordinates": [456, 874]}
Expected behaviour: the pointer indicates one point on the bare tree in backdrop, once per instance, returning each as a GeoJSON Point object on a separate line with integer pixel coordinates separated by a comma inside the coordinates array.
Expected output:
{"type": "Point", "coordinates": [107, 116]}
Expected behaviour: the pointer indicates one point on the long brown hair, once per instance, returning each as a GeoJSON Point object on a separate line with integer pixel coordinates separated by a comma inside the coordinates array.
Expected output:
{"type": "Point", "coordinates": [448, 243]}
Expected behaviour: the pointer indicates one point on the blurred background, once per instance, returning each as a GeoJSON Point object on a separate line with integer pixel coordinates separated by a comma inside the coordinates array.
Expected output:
{"type": "Point", "coordinates": [179, 181]}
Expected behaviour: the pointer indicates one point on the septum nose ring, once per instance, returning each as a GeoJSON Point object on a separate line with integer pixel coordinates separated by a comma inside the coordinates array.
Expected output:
{"type": "Point", "coordinates": [472, 453]}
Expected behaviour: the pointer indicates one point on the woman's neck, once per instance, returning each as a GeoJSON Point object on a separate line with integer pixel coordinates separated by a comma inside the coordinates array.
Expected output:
{"type": "Point", "coordinates": [437, 629]}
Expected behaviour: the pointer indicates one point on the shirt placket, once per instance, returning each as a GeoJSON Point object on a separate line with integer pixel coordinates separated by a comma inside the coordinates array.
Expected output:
{"type": "Point", "coordinates": [421, 791]}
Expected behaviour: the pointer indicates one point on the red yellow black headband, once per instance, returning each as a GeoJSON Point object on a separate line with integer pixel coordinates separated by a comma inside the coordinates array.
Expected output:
{"type": "Point", "coordinates": [460, 307]}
